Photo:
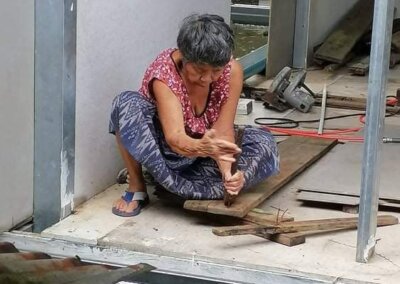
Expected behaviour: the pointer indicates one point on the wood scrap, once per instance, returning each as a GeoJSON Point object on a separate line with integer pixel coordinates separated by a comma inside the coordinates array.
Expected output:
{"type": "Point", "coordinates": [337, 47]}
{"type": "Point", "coordinates": [256, 216]}
{"type": "Point", "coordinates": [293, 161]}
{"type": "Point", "coordinates": [396, 41]}
{"type": "Point", "coordinates": [359, 66]}
{"type": "Point", "coordinates": [294, 239]}
{"type": "Point", "coordinates": [290, 240]}
{"type": "Point", "coordinates": [261, 217]}
{"type": "Point", "coordinates": [349, 103]}
{"type": "Point", "coordinates": [300, 226]}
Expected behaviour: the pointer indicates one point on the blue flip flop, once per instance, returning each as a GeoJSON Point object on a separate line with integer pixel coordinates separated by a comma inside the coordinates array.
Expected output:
{"type": "Point", "coordinates": [141, 197]}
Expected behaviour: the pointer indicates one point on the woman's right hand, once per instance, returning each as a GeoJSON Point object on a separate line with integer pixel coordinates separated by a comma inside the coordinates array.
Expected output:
{"type": "Point", "coordinates": [216, 148]}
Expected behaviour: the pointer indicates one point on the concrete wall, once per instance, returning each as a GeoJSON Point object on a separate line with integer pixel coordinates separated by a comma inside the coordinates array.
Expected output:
{"type": "Point", "coordinates": [397, 5]}
{"type": "Point", "coordinates": [116, 40]}
{"type": "Point", "coordinates": [16, 111]}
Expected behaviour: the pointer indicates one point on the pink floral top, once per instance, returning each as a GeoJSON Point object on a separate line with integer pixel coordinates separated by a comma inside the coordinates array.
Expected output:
{"type": "Point", "coordinates": [164, 69]}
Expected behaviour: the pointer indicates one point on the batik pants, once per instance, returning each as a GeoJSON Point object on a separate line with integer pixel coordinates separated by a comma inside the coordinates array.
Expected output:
{"type": "Point", "coordinates": [135, 119]}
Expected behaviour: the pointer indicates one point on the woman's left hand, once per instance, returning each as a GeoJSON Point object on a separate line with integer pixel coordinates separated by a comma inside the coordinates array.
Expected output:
{"type": "Point", "coordinates": [234, 183]}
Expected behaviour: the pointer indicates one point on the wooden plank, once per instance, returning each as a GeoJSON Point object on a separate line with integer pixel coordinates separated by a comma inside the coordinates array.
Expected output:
{"type": "Point", "coordinates": [261, 217]}
{"type": "Point", "coordinates": [290, 240]}
{"type": "Point", "coordinates": [267, 218]}
{"type": "Point", "coordinates": [296, 154]}
{"type": "Point", "coordinates": [328, 198]}
{"type": "Point", "coordinates": [349, 103]}
{"type": "Point", "coordinates": [341, 41]}
{"type": "Point", "coordinates": [294, 239]}
{"type": "Point", "coordinates": [359, 66]}
{"type": "Point", "coordinates": [300, 226]}
{"type": "Point", "coordinates": [396, 41]}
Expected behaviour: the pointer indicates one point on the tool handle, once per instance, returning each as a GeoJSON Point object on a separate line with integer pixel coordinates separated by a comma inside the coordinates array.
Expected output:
{"type": "Point", "coordinates": [228, 198]}
{"type": "Point", "coordinates": [238, 141]}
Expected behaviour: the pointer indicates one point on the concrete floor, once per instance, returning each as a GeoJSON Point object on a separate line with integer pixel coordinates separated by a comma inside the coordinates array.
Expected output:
{"type": "Point", "coordinates": [167, 230]}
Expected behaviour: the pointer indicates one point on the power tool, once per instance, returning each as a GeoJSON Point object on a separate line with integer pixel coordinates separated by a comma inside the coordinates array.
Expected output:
{"type": "Point", "coordinates": [285, 92]}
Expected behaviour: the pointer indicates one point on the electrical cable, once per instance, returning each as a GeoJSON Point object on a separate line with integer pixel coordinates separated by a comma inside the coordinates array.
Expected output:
{"type": "Point", "coordinates": [286, 126]}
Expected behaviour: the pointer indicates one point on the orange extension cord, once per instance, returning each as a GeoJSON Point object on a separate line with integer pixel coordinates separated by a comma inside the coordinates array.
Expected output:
{"type": "Point", "coordinates": [341, 135]}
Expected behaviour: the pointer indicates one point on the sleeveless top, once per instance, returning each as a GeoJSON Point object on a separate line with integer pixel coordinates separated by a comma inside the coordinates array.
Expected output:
{"type": "Point", "coordinates": [164, 69]}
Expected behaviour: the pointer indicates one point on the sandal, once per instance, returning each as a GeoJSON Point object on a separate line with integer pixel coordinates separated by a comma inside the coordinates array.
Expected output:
{"type": "Point", "coordinates": [141, 197]}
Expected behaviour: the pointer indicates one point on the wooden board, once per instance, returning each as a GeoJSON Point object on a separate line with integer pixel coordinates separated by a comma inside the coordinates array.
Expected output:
{"type": "Point", "coordinates": [396, 41]}
{"type": "Point", "coordinates": [266, 218]}
{"type": "Point", "coordinates": [296, 154]}
{"type": "Point", "coordinates": [355, 24]}
{"type": "Point", "coordinates": [333, 198]}
{"type": "Point", "coordinates": [290, 240]}
{"type": "Point", "coordinates": [359, 66]}
{"type": "Point", "coordinates": [301, 226]}
{"type": "Point", "coordinates": [327, 198]}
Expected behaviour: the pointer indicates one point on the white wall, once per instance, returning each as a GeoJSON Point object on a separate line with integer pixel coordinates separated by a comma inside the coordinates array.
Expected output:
{"type": "Point", "coordinates": [116, 40]}
{"type": "Point", "coordinates": [16, 111]}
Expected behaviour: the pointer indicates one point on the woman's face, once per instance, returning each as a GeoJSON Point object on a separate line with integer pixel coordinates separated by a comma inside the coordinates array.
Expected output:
{"type": "Point", "coordinates": [202, 74]}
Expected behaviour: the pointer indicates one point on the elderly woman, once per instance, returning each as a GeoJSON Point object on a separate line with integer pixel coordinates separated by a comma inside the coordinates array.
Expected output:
{"type": "Point", "coordinates": [180, 124]}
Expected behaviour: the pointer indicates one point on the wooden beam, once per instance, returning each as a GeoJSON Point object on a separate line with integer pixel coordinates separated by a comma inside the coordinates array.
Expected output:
{"type": "Point", "coordinates": [300, 226]}
{"type": "Point", "coordinates": [267, 218]}
{"type": "Point", "coordinates": [290, 240]}
{"type": "Point", "coordinates": [349, 103]}
{"type": "Point", "coordinates": [296, 154]}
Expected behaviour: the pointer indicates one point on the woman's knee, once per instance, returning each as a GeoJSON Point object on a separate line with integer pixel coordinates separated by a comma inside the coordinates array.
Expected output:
{"type": "Point", "coordinates": [124, 97]}
{"type": "Point", "coordinates": [263, 142]}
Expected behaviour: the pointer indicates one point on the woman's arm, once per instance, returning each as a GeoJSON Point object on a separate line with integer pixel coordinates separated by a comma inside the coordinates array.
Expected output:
{"type": "Point", "coordinates": [171, 117]}
{"type": "Point", "coordinates": [224, 124]}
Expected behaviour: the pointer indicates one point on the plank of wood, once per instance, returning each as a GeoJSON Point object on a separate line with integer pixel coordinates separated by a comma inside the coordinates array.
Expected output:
{"type": "Point", "coordinates": [294, 239]}
{"type": "Point", "coordinates": [327, 198]}
{"type": "Point", "coordinates": [267, 218]}
{"type": "Point", "coordinates": [290, 240]}
{"type": "Point", "coordinates": [300, 226]}
{"type": "Point", "coordinates": [341, 41]}
{"type": "Point", "coordinates": [350, 103]}
{"type": "Point", "coordinates": [296, 154]}
{"type": "Point", "coordinates": [359, 66]}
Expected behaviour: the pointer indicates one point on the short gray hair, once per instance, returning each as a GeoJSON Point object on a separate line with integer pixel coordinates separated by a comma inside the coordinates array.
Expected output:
{"type": "Point", "coordinates": [206, 39]}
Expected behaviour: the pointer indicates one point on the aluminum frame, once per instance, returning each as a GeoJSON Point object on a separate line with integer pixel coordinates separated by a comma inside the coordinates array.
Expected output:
{"type": "Point", "coordinates": [54, 126]}
{"type": "Point", "coordinates": [379, 67]}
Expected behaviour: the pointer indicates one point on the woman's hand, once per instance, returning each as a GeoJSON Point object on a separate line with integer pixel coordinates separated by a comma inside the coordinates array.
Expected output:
{"type": "Point", "coordinates": [233, 183]}
{"type": "Point", "coordinates": [216, 148]}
